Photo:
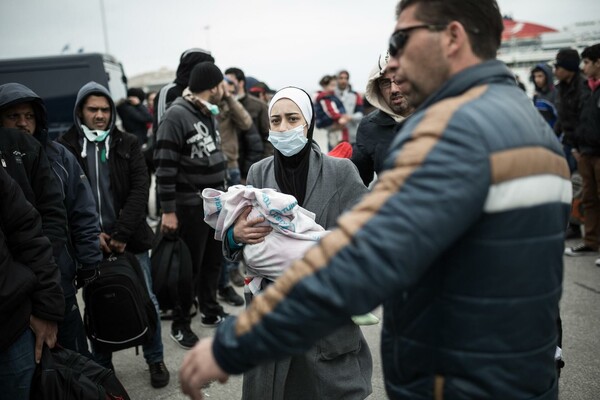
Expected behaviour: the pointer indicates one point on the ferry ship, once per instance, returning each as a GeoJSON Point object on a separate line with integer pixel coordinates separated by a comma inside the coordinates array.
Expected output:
{"type": "Point", "coordinates": [526, 44]}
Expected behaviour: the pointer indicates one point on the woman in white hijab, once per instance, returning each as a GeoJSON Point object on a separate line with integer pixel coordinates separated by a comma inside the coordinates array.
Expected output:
{"type": "Point", "coordinates": [340, 365]}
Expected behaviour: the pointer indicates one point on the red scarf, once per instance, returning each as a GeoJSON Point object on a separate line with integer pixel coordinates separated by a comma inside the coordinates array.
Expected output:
{"type": "Point", "coordinates": [593, 84]}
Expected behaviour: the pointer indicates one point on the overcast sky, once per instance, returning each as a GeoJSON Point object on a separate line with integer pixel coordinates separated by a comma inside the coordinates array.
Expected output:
{"type": "Point", "coordinates": [278, 41]}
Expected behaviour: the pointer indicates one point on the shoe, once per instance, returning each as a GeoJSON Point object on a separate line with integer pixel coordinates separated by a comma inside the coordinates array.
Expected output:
{"type": "Point", "coordinates": [211, 321]}
{"type": "Point", "coordinates": [597, 262]}
{"type": "Point", "coordinates": [573, 232]}
{"type": "Point", "coordinates": [228, 295]}
{"type": "Point", "coordinates": [159, 374]}
{"type": "Point", "coordinates": [184, 336]}
{"type": "Point", "coordinates": [236, 277]}
{"type": "Point", "coordinates": [579, 250]}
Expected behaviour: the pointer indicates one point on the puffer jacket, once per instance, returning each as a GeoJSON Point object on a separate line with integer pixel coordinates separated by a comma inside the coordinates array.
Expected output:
{"type": "Point", "coordinates": [128, 176]}
{"type": "Point", "coordinates": [462, 242]}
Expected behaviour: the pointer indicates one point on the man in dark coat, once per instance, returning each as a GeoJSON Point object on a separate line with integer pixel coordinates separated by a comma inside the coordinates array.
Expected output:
{"type": "Point", "coordinates": [31, 300]}
{"type": "Point", "coordinates": [377, 130]}
{"type": "Point", "coordinates": [81, 254]}
{"type": "Point", "coordinates": [115, 166]}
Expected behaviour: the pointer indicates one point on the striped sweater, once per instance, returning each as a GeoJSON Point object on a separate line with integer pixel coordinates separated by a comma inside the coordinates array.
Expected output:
{"type": "Point", "coordinates": [188, 156]}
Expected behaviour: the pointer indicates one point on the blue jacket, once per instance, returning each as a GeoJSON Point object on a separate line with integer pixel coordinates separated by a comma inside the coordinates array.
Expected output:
{"type": "Point", "coordinates": [461, 241]}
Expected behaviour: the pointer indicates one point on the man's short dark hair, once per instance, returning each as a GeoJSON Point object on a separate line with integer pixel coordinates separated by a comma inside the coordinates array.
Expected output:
{"type": "Point", "coordinates": [592, 53]}
{"type": "Point", "coordinates": [480, 18]}
{"type": "Point", "coordinates": [239, 74]}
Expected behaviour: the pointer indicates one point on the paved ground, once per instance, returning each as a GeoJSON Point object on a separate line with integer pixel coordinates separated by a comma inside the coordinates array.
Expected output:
{"type": "Point", "coordinates": [581, 321]}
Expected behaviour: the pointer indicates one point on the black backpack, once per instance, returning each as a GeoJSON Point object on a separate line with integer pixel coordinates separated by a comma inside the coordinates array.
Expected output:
{"type": "Point", "coordinates": [64, 374]}
{"type": "Point", "coordinates": [118, 310]}
{"type": "Point", "coordinates": [172, 276]}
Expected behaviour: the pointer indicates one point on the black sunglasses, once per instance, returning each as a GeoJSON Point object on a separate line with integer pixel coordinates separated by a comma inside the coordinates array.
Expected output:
{"type": "Point", "coordinates": [400, 37]}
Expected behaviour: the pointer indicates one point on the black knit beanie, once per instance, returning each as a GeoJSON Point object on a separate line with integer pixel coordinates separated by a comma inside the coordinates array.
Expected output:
{"type": "Point", "coordinates": [205, 76]}
{"type": "Point", "coordinates": [568, 59]}
{"type": "Point", "coordinates": [137, 92]}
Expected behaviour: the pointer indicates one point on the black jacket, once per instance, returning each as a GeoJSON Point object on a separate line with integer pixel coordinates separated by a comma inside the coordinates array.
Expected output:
{"type": "Point", "coordinates": [135, 119]}
{"type": "Point", "coordinates": [29, 278]}
{"type": "Point", "coordinates": [570, 100]}
{"type": "Point", "coordinates": [128, 175]}
{"type": "Point", "coordinates": [251, 149]}
{"type": "Point", "coordinates": [373, 138]}
{"type": "Point", "coordinates": [25, 161]}
{"type": "Point", "coordinates": [129, 183]}
{"type": "Point", "coordinates": [587, 134]}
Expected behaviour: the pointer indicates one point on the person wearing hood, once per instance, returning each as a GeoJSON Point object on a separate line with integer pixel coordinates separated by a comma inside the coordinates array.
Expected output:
{"type": "Point", "coordinates": [377, 130]}
{"type": "Point", "coordinates": [115, 167]}
{"type": "Point", "coordinates": [188, 159]}
{"type": "Point", "coordinates": [339, 366]}
{"type": "Point", "coordinates": [544, 97]}
{"type": "Point", "coordinates": [168, 93]}
{"type": "Point", "coordinates": [79, 258]}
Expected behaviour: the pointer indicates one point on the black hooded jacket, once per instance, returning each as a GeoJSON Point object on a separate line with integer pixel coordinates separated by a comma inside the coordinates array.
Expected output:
{"type": "Point", "coordinates": [170, 92]}
{"type": "Point", "coordinates": [128, 176]}
{"type": "Point", "coordinates": [29, 278]}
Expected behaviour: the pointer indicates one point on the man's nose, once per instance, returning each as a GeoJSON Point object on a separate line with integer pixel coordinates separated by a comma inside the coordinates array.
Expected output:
{"type": "Point", "coordinates": [22, 120]}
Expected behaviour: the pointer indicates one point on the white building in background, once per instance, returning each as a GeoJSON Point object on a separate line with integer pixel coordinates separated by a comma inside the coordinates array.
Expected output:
{"type": "Point", "coordinates": [525, 44]}
{"type": "Point", "coordinates": [152, 81]}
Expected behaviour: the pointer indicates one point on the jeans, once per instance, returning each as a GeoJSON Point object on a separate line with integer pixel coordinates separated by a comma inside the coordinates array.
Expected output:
{"type": "Point", "coordinates": [17, 364]}
{"type": "Point", "coordinates": [71, 334]}
{"type": "Point", "coordinates": [153, 351]}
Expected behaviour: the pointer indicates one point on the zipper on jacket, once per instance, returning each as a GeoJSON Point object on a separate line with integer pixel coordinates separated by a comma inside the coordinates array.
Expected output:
{"type": "Point", "coordinates": [98, 188]}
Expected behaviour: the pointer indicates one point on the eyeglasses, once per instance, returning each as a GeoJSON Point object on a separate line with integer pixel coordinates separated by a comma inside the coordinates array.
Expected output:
{"type": "Point", "coordinates": [385, 83]}
{"type": "Point", "coordinates": [400, 37]}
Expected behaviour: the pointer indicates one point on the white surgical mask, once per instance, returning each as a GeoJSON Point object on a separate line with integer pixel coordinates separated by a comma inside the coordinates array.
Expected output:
{"type": "Point", "coordinates": [289, 142]}
{"type": "Point", "coordinates": [94, 135]}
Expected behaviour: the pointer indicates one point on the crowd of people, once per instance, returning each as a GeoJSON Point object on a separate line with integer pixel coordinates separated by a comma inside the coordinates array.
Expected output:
{"type": "Point", "coordinates": [449, 205]}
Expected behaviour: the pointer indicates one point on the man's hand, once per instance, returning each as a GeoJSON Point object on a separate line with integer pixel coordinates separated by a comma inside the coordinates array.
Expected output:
{"type": "Point", "coordinates": [117, 246]}
{"type": "Point", "coordinates": [199, 368]}
{"type": "Point", "coordinates": [45, 332]}
{"type": "Point", "coordinates": [86, 276]}
{"type": "Point", "coordinates": [245, 231]}
{"type": "Point", "coordinates": [104, 240]}
{"type": "Point", "coordinates": [169, 222]}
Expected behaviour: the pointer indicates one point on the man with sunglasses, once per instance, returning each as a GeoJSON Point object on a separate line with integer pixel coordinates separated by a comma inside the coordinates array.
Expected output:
{"type": "Point", "coordinates": [377, 130]}
{"type": "Point", "coordinates": [461, 239]}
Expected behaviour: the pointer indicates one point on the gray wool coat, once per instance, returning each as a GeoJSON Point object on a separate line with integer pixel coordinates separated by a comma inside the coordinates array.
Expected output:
{"type": "Point", "coordinates": [338, 366]}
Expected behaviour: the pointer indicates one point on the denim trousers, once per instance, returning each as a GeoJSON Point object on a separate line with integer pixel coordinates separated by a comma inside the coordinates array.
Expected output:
{"type": "Point", "coordinates": [153, 351]}
{"type": "Point", "coordinates": [17, 364]}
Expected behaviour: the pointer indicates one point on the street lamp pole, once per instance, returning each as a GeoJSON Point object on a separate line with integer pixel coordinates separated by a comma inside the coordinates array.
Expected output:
{"type": "Point", "coordinates": [104, 31]}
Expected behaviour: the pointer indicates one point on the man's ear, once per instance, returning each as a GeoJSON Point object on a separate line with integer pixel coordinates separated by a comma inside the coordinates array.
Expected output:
{"type": "Point", "coordinates": [457, 37]}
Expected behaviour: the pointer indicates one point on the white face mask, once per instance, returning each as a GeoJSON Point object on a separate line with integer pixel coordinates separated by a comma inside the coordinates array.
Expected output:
{"type": "Point", "coordinates": [94, 135]}
{"type": "Point", "coordinates": [289, 142]}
